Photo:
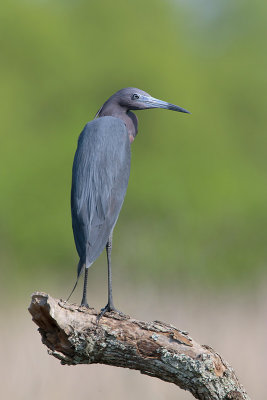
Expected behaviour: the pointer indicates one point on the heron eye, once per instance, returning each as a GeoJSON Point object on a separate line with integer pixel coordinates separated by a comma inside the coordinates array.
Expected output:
{"type": "Point", "coordinates": [135, 96]}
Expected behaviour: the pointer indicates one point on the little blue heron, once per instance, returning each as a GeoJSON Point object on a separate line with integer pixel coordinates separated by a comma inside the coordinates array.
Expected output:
{"type": "Point", "coordinates": [100, 175]}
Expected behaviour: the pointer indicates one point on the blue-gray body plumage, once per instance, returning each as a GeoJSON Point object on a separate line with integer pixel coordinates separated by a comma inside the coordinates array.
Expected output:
{"type": "Point", "coordinates": [100, 177]}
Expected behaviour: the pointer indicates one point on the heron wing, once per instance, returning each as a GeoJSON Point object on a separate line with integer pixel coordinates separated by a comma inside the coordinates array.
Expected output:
{"type": "Point", "coordinates": [100, 177]}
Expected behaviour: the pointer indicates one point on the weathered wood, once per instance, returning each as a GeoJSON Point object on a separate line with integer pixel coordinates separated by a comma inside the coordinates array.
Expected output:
{"type": "Point", "coordinates": [74, 335]}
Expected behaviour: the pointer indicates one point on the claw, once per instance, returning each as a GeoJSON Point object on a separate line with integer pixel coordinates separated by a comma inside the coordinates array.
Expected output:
{"type": "Point", "coordinates": [84, 304]}
{"type": "Point", "coordinates": [108, 308]}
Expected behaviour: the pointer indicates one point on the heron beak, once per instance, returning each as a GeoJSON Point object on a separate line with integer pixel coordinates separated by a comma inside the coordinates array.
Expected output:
{"type": "Point", "coordinates": [151, 102]}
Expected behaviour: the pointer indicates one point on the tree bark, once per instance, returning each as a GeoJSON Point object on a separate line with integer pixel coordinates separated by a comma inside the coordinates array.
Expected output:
{"type": "Point", "coordinates": [75, 335]}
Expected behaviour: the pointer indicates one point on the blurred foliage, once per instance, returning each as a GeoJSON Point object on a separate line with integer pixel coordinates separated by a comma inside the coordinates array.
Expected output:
{"type": "Point", "coordinates": [196, 206]}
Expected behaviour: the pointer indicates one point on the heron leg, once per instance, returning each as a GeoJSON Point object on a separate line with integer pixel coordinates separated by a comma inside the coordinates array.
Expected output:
{"type": "Point", "coordinates": [110, 306]}
{"type": "Point", "coordinates": [110, 296]}
{"type": "Point", "coordinates": [84, 299]}
{"type": "Point", "coordinates": [80, 268]}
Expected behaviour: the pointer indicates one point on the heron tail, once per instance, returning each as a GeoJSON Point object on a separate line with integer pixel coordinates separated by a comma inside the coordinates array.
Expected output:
{"type": "Point", "coordinates": [80, 267]}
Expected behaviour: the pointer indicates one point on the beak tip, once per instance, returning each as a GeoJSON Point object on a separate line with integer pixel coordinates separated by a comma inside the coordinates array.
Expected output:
{"type": "Point", "coordinates": [183, 110]}
{"type": "Point", "coordinates": [173, 107]}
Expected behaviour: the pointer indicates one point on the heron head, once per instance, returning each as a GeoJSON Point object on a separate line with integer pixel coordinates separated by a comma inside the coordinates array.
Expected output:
{"type": "Point", "coordinates": [136, 99]}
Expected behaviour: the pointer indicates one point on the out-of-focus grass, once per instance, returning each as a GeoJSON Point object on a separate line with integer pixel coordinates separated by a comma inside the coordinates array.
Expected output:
{"type": "Point", "coordinates": [195, 210]}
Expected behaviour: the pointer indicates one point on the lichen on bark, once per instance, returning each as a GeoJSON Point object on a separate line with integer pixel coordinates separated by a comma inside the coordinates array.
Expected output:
{"type": "Point", "coordinates": [75, 335]}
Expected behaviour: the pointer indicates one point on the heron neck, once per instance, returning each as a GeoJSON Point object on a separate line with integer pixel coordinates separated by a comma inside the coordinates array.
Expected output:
{"type": "Point", "coordinates": [128, 117]}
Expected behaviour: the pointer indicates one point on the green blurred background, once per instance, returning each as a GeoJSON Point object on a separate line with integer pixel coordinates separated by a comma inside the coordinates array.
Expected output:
{"type": "Point", "coordinates": [195, 210]}
{"type": "Point", "coordinates": [192, 231]}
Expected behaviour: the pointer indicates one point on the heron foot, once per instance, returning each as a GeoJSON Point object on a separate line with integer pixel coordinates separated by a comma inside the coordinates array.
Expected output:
{"type": "Point", "coordinates": [84, 304]}
{"type": "Point", "coordinates": [109, 308]}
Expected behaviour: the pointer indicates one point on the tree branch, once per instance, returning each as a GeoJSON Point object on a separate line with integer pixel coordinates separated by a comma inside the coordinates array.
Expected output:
{"type": "Point", "coordinates": [75, 336]}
